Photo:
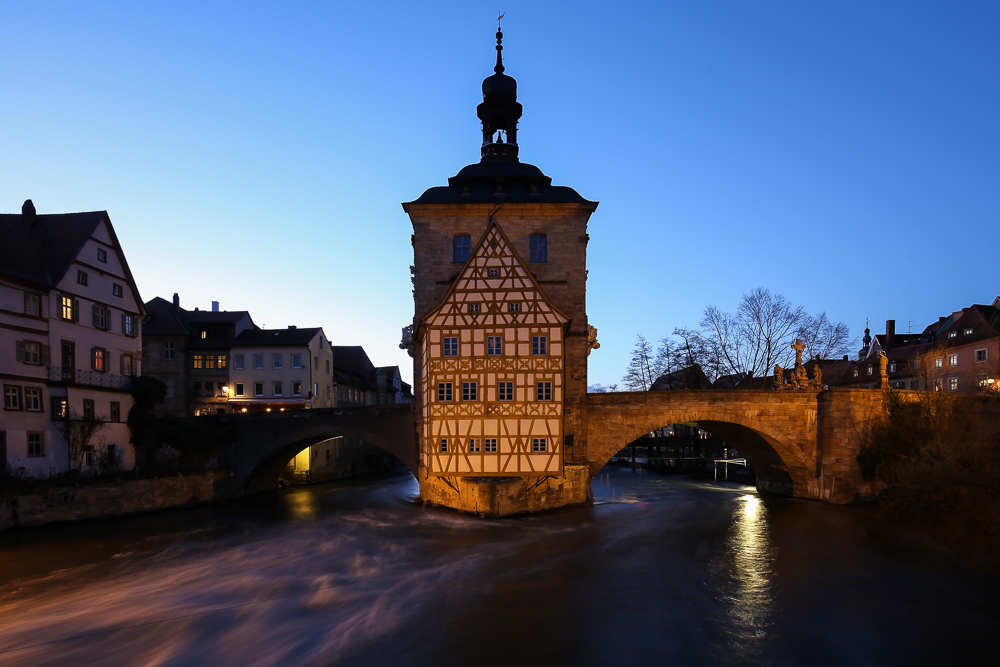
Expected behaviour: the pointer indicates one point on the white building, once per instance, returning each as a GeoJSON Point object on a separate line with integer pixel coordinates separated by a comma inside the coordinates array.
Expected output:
{"type": "Point", "coordinates": [70, 340]}
{"type": "Point", "coordinates": [281, 369]}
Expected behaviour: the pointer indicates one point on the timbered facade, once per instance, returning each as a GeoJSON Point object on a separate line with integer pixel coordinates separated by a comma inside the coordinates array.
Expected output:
{"type": "Point", "coordinates": [493, 370]}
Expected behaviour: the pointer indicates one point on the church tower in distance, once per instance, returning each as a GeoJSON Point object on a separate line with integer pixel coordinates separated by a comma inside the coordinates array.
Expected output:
{"type": "Point", "coordinates": [500, 335]}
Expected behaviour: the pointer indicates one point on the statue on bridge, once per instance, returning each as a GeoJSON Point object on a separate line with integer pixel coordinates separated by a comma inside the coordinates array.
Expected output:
{"type": "Point", "coordinates": [799, 376]}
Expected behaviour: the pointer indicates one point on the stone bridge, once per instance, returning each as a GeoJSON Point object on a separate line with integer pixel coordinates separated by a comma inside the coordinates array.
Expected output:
{"type": "Point", "coordinates": [800, 443]}
{"type": "Point", "coordinates": [266, 442]}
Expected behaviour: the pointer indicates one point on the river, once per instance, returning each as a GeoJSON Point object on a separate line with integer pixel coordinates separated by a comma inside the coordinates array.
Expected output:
{"type": "Point", "coordinates": [660, 570]}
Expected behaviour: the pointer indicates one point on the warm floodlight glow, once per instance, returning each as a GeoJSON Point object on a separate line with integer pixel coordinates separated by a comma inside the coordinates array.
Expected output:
{"type": "Point", "coordinates": [269, 409]}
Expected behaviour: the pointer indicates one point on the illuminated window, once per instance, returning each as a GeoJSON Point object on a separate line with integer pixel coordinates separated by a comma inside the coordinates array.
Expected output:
{"type": "Point", "coordinates": [938, 385]}
{"type": "Point", "coordinates": [505, 391]}
{"type": "Point", "coordinates": [871, 369]}
{"type": "Point", "coordinates": [60, 407]}
{"type": "Point", "coordinates": [538, 345]}
{"type": "Point", "coordinates": [490, 444]}
{"type": "Point", "coordinates": [33, 399]}
{"type": "Point", "coordinates": [892, 367]}
{"type": "Point", "coordinates": [968, 332]}
{"type": "Point", "coordinates": [462, 247]}
{"type": "Point", "coordinates": [444, 391]}
{"type": "Point", "coordinates": [473, 445]}
{"type": "Point", "coordinates": [494, 346]}
{"type": "Point", "coordinates": [543, 391]}
{"type": "Point", "coordinates": [952, 334]}
{"type": "Point", "coordinates": [537, 251]}
{"type": "Point", "coordinates": [451, 347]}
{"type": "Point", "coordinates": [469, 391]}
{"type": "Point", "coordinates": [198, 361]}
{"type": "Point", "coordinates": [953, 360]}
{"type": "Point", "coordinates": [127, 365]}
{"type": "Point", "coordinates": [209, 361]}
{"type": "Point", "coordinates": [99, 359]}
{"type": "Point", "coordinates": [538, 444]}
{"type": "Point", "coordinates": [952, 384]}
{"type": "Point", "coordinates": [204, 334]}
{"type": "Point", "coordinates": [938, 362]}
{"type": "Point", "coordinates": [983, 380]}
{"type": "Point", "coordinates": [68, 308]}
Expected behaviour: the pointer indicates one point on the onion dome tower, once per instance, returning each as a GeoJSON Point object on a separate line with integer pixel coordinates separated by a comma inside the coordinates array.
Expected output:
{"type": "Point", "coordinates": [500, 110]}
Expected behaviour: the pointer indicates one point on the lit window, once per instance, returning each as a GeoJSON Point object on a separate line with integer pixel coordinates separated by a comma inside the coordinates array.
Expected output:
{"type": "Point", "coordinates": [505, 391]}
{"type": "Point", "coordinates": [514, 307]}
{"type": "Point", "coordinates": [222, 360]}
{"type": "Point", "coordinates": [198, 361]}
{"type": "Point", "coordinates": [209, 361]}
{"type": "Point", "coordinates": [102, 255]}
{"type": "Point", "coordinates": [938, 362]}
{"type": "Point", "coordinates": [538, 345]}
{"type": "Point", "coordinates": [296, 389]}
{"type": "Point", "coordinates": [952, 334]}
{"type": "Point", "coordinates": [451, 347]}
{"type": "Point", "coordinates": [127, 365]}
{"type": "Point", "coordinates": [968, 332]}
{"type": "Point", "coordinates": [116, 290]}
{"type": "Point", "coordinates": [981, 355]}
{"type": "Point", "coordinates": [473, 307]}
{"type": "Point", "coordinates": [11, 397]}
{"type": "Point", "coordinates": [938, 385]}
{"type": "Point", "coordinates": [983, 379]}
{"type": "Point", "coordinates": [258, 388]}
{"type": "Point", "coordinates": [855, 372]}
{"type": "Point", "coordinates": [36, 445]}
{"type": "Point", "coordinates": [81, 277]}
{"type": "Point", "coordinates": [204, 334]}
{"type": "Point", "coordinates": [462, 247]}
{"type": "Point", "coordinates": [296, 361]}
{"type": "Point", "coordinates": [473, 445]}
{"type": "Point", "coordinates": [469, 391]}
{"type": "Point", "coordinates": [68, 308]}
{"type": "Point", "coordinates": [537, 248]}
{"type": "Point", "coordinates": [33, 399]}
{"type": "Point", "coordinates": [953, 360]}
{"type": "Point", "coordinates": [275, 361]}
{"type": "Point", "coordinates": [258, 362]}
{"type": "Point", "coordinates": [543, 391]}
{"type": "Point", "coordinates": [490, 444]}
{"type": "Point", "coordinates": [60, 407]}
{"type": "Point", "coordinates": [494, 346]}
{"type": "Point", "coordinates": [444, 444]}
{"type": "Point", "coordinates": [99, 359]}
{"type": "Point", "coordinates": [238, 389]}
{"type": "Point", "coordinates": [276, 387]}
{"type": "Point", "coordinates": [871, 369]}
{"type": "Point", "coordinates": [116, 411]}
{"type": "Point", "coordinates": [168, 351]}
{"type": "Point", "coordinates": [444, 391]}
{"type": "Point", "coordinates": [538, 444]}
{"type": "Point", "coordinates": [952, 384]}
{"type": "Point", "coordinates": [32, 305]}
{"type": "Point", "coordinates": [892, 367]}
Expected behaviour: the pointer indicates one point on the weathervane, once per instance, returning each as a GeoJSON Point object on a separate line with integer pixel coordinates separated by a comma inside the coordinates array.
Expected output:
{"type": "Point", "coordinates": [500, 15]}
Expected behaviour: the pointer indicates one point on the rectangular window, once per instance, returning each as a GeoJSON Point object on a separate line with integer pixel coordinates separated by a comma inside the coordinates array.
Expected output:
{"type": "Point", "coordinates": [327, 366]}
{"type": "Point", "coordinates": [543, 391]}
{"type": "Point", "coordinates": [539, 345]}
{"type": "Point", "coordinates": [170, 388]}
{"type": "Point", "coordinates": [514, 307]}
{"type": "Point", "coordinates": [258, 362]}
{"type": "Point", "coordinates": [209, 361]}
{"type": "Point", "coordinates": [88, 408]}
{"type": "Point", "coordinates": [953, 360]}
{"type": "Point", "coordinates": [444, 391]}
{"type": "Point", "coordinates": [128, 324]}
{"type": "Point", "coordinates": [892, 367]}
{"type": "Point", "coordinates": [315, 363]}
{"type": "Point", "coordinates": [117, 290]}
{"type": "Point", "coordinates": [493, 273]}
{"type": "Point", "coordinates": [33, 399]}
{"type": "Point", "coordinates": [983, 380]}
{"type": "Point", "coordinates": [36, 445]}
{"type": "Point", "coordinates": [99, 359]}
{"type": "Point", "coordinates": [537, 251]}
{"type": "Point", "coordinates": [539, 444]}
{"type": "Point", "coordinates": [469, 391]}
{"type": "Point", "coordinates": [473, 445]}
{"type": "Point", "coordinates": [238, 362]}
{"type": "Point", "coordinates": [60, 407]}
{"type": "Point", "coordinates": [127, 365]}
{"type": "Point", "coordinates": [444, 444]}
{"type": "Point", "coordinates": [68, 308]}
{"type": "Point", "coordinates": [473, 307]}
{"type": "Point", "coordinates": [981, 355]}
{"type": "Point", "coordinates": [32, 305]}
{"type": "Point", "coordinates": [952, 384]}
{"type": "Point", "coordinates": [462, 247]}
{"type": "Point", "coordinates": [239, 389]}
{"type": "Point", "coordinates": [296, 361]}
{"type": "Point", "coordinates": [29, 351]}
{"type": "Point", "coordinates": [277, 389]}
{"type": "Point", "coordinates": [116, 411]}
{"type": "Point", "coordinates": [505, 391]}
{"type": "Point", "coordinates": [938, 362]}
{"type": "Point", "coordinates": [275, 361]}
{"type": "Point", "coordinates": [494, 346]}
{"type": "Point", "coordinates": [101, 317]}
{"type": "Point", "coordinates": [11, 397]}
{"type": "Point", "coordinates": [102, 255]}
{"type": "Point", "coordinates": [196, 388]}
{"type": "Point", "coordinates": [198, 361]}
{"type": "Point", "coordinates": [938, 385]}
{"type": "Point", "coordinates": [952, 334]}
{"type": "Point", "coordinates": [296, 389]}
{"type": "Point", "coordinates": [258, 388]}
{"type": "Point", "coordinates": [81, 277]}
{"type": "Point", "coordinates": [451, 347]}
{"type": "Point", "coordinates": [168, 351]}
{"type": "Point", "coordinates": [968, 332]}
{"type": "Point", "coordinates": [490, 444]}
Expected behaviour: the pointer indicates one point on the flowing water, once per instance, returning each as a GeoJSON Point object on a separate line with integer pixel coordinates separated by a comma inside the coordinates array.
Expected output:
{"type": "Point", "coordinates": [659, 571]}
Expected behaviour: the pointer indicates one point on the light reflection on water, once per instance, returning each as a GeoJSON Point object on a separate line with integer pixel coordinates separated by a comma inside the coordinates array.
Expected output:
{"type": "Point", "coordinates": [660, 571]}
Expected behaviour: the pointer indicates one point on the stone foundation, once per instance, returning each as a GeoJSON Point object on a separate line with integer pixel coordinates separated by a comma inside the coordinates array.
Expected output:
{"type": "Point", "coordinates": [506, 496]}
{"type": "Point", "coordinates": [44, 504]}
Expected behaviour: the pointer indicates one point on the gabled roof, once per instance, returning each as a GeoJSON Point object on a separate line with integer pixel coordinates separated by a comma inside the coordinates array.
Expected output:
{"type": "Point", "coordinates": [163, 319]}
{"type": "Point", "coordinates": [291, 337]}
{"type": "Point", "coordinates": [352, 365]}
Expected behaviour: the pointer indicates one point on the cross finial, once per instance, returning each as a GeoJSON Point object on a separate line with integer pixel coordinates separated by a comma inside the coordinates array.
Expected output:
{"type": "Point", "coordinates": [798, 347]}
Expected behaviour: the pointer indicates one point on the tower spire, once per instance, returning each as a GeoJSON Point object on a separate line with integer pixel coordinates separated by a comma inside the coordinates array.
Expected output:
{"type": "Point", "coordinates": [500, 110]}
{"type": "Point", "coordinates": [499, 69]}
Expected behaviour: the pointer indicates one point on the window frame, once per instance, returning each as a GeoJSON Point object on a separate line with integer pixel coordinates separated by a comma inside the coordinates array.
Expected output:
{"type": "Point", "coordinates": [538, 248]}
{"type": "Point", "coordinates": [296, 361]}
{"type": "Point", "coordinates": [32, 301]}
{"type": "Point", "coordinates": [505, 391]}
{"type": "Point", "coordinates": [539, 346]}
{"type": "Point", "coordinates": [449, 346]}
{"type": "Point", "coordinates": [102, 255]}
{"type": "Point", "coordinates": [36, 394]}
{"type": "Point", "coordinates": [238, 389]}
{"type": "Point", "coordinates": [117, 290]}
{"type": "Point", "coordinates": [445, 392]}
{"type": "Point", "coordinates": [82, 278]}
{"type": "Point", "coordinates": [168, 351]}
{"type": "Point", "coordinates": [115, 411]}
{"type": "Point", "coordinates": [470, 391]}
{"type": "Point", "coordinates": [489, 445]}
{"type": "Point", "coordinates": [276, 388]}
{"type": "Point", "coordinates": [258, 388]}
{"type": "Point", "coordinates": [543, 390]}
{"type": "Point", "coordinates": [539, 445]}
{"type": "Point", "coordinates": [40, 452]}
{"type": "Point", "coordinates": [12, 397]}
{"type": "Point", "coordinates": [494, 346]}
{"type": "Point", "coordinates": [99, 359]}
{"type": "Point", "coordinates": [277, 362]}
{"type": "Point", "coordinates": [461, 248]}
{"type": "Point", "coordinates": [984, 357]}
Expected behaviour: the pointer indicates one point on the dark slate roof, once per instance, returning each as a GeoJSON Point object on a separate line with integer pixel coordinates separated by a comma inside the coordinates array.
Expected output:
{"type": "Point", "coordinates": [352, 365]}
{"type": "Point", "coordinates": [214, 316]}
{"type": "Point", "coordinates": [22, 253]}
{"type": "Point", "coordinates": [277, 337]}
{"type": "Point", "coordinates": [692, 377]}
{"type": "Point", "coordinates": [518, 182]}
{"type": "Point", "coordinates": [162, 319]}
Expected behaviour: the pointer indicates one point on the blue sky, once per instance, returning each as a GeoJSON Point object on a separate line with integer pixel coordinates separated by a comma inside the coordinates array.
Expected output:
{"type": "Point", "coordinates": [846, 155]}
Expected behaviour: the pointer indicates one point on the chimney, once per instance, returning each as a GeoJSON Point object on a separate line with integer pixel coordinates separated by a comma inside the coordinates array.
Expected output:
{"type": "Point", "coordinates": [890, 333]}
{"type": "Point", "coordinates": [215, 306]}
{"type": "Point", "coordinates": [28, 212]}
{"type": "Point", "coordinates": [177, 300]}
{"type": "Point", "coordinates": [291, 326]}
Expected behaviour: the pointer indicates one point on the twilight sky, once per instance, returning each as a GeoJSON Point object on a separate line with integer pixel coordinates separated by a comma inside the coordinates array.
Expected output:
{"type": "Point", "coordinates": [844, 154]}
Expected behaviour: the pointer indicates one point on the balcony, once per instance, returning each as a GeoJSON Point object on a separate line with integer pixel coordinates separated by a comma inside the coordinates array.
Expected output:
{"type": "Point", "coordinates": [85, 378]}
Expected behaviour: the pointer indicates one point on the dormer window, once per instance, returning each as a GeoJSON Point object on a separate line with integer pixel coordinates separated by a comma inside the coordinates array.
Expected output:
{"type": "Point", "coordinates": [968, 332]}
{"type": "Point", "coordinates": [952, 334]}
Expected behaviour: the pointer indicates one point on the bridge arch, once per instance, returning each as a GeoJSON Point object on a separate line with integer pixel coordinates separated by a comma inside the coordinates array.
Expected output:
{"type": "Point", "coordinates": [780, 449]}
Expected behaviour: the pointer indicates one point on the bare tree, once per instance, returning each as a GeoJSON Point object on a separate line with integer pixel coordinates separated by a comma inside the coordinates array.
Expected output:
{"type": "Point", "coordinates": [640, 370]}
{"type": "Point", "coordinates": [824, 339]}
{"type": "Point", "coordinates": [78, 430]}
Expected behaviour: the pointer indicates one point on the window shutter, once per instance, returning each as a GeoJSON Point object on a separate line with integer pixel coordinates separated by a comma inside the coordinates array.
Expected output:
{"type": "Point", "coordinates": [76, 310]}
{"type": "Point", "coordinates": [21, 356]}
{"type": "Point", "coordinates": [95, 317]}
{"type": "Point", "coordinates": [46, 355]}
{"type": "Point", "coordinates": [121, 364]}
{"type": "Point", "coordinates": [93, 358]}
{"type": "Point", "coordinates": [123, 323]}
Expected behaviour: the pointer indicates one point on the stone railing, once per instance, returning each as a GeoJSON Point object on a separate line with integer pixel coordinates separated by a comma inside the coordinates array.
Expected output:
{"type": "Point", "coordinates": [91, 378]}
